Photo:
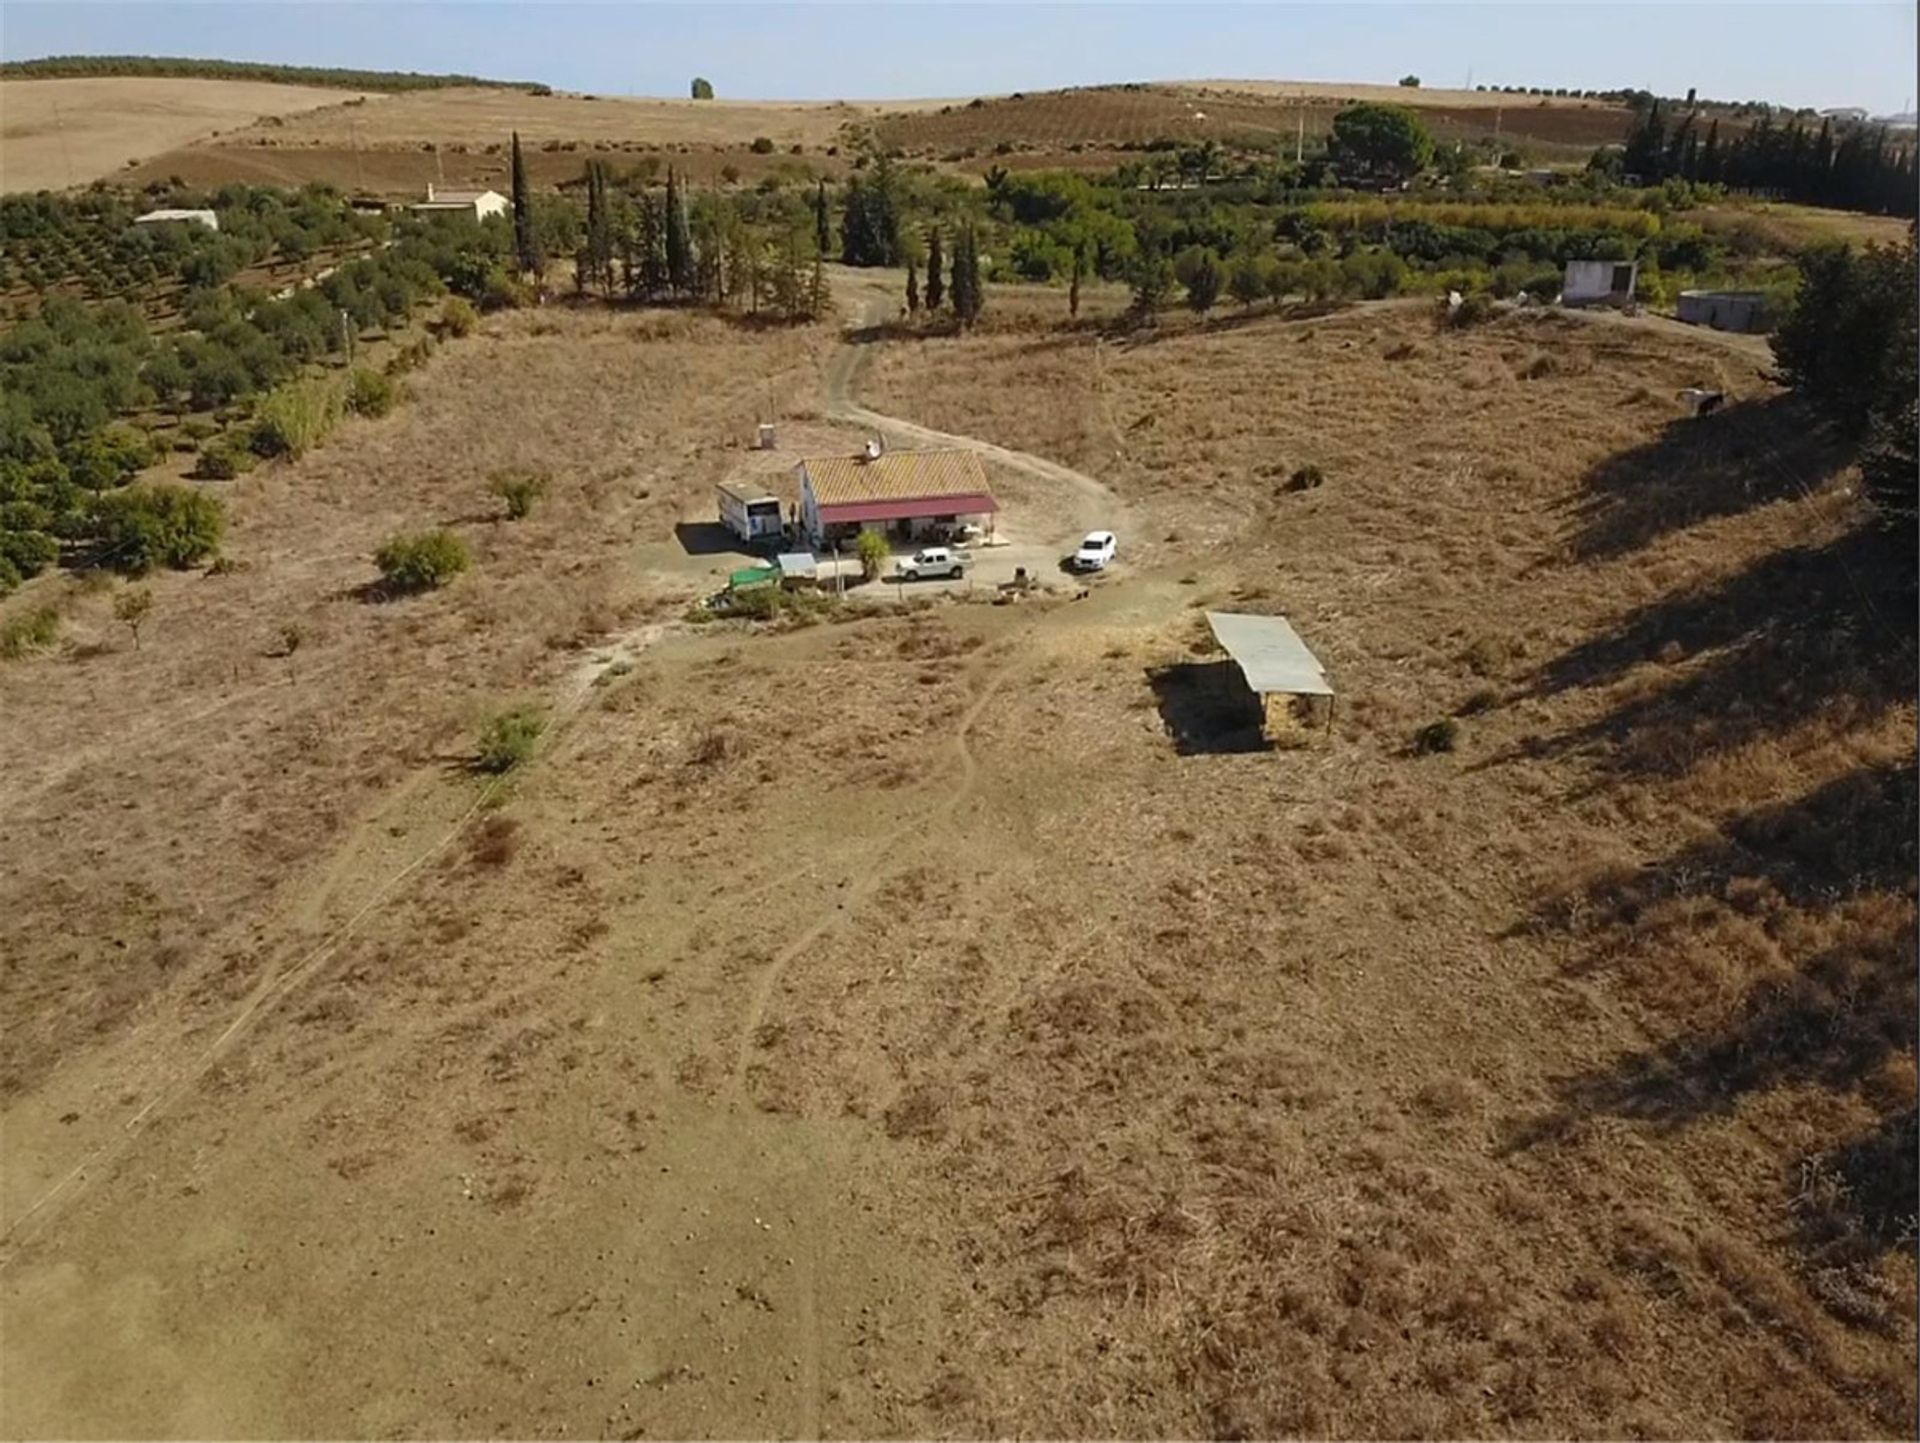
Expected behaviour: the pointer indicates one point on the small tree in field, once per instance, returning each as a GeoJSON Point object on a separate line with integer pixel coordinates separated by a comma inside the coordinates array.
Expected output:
{"type": "Point", "coordinates": [872, 549]}
{"type": "Point", "coordinates": [1200, 271]}
{"type": "Point", "coordinates": [132, 606]}
{"type": "Point", "coordinates": [913, 290]}
{"type": "Point", "coordinates": [702, 88]}
{"type": "Point", "coordinates": [421, 562]}
{"type": "Point", "coordinates": [1410, 82]}
{"type": "Point", "coordinates": [1248, 281]}
{"type": "Point", "coordinates": [508, 739]}
{"type": "Point", "coordinates": [519, 490]}
{"type": "Point", "coordinates": [1073, 285]}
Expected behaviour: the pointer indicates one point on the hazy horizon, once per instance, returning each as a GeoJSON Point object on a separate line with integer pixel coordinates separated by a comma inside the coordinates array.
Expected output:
{"type": "Point", "coordinates": [1792, 54]}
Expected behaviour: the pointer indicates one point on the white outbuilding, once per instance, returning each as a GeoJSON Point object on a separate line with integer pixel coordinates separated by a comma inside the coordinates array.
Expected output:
{"type": "Point", "coordinates": [477, 203]}
{"type": "Point", "coordinates": [187, 217]}
{"type": "Point", "coordinates": [1598, 283]}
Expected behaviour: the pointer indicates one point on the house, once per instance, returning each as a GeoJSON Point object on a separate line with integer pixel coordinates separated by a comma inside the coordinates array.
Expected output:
{"type": "Point", "coordinates": [477, 203]}
{"type": "Point", "coordinates": [905, 494]}
{"type": "Point", "coordinates": [1598, 283]}
{"type": "Point", "coordinates": [750, 512]}
{"type": "Point", "coordinates": [189, 217]}
{"type": "Point", "coordinates": [1724, 310]}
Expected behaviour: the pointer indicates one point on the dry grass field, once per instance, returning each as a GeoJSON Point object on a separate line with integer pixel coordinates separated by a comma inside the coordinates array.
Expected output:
{"type": "Point", "coordinates": [60, 133]}
{"type": "Point", "coordinates": [395, 143]}
{"type": "Point", "coordinates": [1103, 117]}
{"type": "Point", "coordinates": [948, 1020]}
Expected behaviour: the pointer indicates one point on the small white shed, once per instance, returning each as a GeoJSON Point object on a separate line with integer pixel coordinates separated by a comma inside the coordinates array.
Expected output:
{"type": "Point", "coordinates": [1598, 283]}
{"type": "Point", "coordinates": [187, 217]}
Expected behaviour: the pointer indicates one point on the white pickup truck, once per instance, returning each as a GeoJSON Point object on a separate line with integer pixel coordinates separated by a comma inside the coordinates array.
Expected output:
{"type": "Point", "coordinates": [932, 563]}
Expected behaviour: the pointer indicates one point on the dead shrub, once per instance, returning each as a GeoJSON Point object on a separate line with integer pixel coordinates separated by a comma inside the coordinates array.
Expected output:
{"type": "Point", "coordinates": [495, 842]}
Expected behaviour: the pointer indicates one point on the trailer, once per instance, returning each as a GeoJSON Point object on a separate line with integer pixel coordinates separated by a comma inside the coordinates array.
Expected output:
{"type": "Point", "coordinates": [750, 512]}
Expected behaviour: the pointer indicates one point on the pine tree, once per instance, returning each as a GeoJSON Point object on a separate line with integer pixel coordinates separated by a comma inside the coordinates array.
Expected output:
{"type": "Point", "coordinates": [680, 258]}
{"type": "Point", "coordinates": [822, 226]}
{"type": "Point", "coordinates": [936, 285]}
{"type": "Point", "coordinates": [526, 248]}
{"type": "Point", "coordinates": [913, 289]}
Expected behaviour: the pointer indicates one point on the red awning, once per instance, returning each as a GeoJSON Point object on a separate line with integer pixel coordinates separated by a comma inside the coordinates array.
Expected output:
{"type": "Point", "coordinates": [859, 512]}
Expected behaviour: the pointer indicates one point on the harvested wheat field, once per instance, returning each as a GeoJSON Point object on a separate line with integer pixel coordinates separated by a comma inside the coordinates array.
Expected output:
{"type": "Point", "coordinates": [61, 133]}
{"type": "Point", "coordinates": [952, 1019]}
{"type": "Point", "coordinates": [396, 143]}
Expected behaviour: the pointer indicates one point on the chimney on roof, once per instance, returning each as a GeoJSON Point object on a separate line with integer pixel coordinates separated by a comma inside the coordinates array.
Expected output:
{"type": "Point", "coordinates": [873, 448]}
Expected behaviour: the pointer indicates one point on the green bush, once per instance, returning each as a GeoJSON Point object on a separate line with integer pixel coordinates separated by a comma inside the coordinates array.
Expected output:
{"type": "Point", "coordinates": [161, 525]}
{"type": "Point", "coordinates": [295, 417]}
{"type": "Point", "coordinates": [1473, 310]}
{"type": "Point", "coordinates": [28, 553]}
{"type": "Point", "coordinates": [761, 145]}
{"type": "Point", "coordinates": [872, 549]}
{"type": "Point", "coordinates": [217, 463]}
{"type": "Point", "coordinates": [508, 739]}
{"type": "Point", "coordinates": [458, 317]}
{"type": "Point", "coordinates": [422, 561]}
{"type": "Point", "coordinates": [31, 631]}
{"type": "Point", "coordinates": [369, 393]}
{"type": "Point", "coordinates": [1439, 736]}
{"type": "Point", "coordinates": [519, 489]}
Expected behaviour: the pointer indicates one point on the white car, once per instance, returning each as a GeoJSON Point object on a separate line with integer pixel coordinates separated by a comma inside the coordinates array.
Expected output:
{"type": "Point", "coordinates": [933, 562]}
{"type": "Point", "coordinates": [1094, 553]}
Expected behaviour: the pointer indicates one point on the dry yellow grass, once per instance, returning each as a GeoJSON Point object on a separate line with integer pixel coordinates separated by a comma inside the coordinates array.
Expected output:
{"type": "Point", "coordinates": [882, 1028]}
{"type": "Point", "coordinates": [61, 133]}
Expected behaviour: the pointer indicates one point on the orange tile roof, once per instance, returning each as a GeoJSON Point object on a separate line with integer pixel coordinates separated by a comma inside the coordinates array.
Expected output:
{"type": "Point", "coordinates": [895, 476]}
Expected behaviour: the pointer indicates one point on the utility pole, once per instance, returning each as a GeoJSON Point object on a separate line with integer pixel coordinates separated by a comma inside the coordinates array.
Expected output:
{"type": "Point", "coordinates": [346, 336]}
{"type": "Point", "coordinates": [1300, 137]}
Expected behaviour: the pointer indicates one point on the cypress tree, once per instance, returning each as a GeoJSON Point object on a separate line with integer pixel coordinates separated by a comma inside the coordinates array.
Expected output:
{"type": "Point", "coordinates": [653, 248]}
{"type": "Point", "coordinates": [913, 289]}
{"type": "Point", "coordinates": [526, 249]}
{"type": "Point", "coordinates": [936, 286]}
{"type": "Point", "coordinates": [855, 235]}
{"type": "Point", "coordinates": [967, 299]}
{"type": "Point", "coordinates": [1709, 166]}
{"type": "Point", "coordinates": [822, 227]}
{"type": "Point", "coordinates": [1073, 286]}
{"type": "Point", "coordinates": [680, 261]}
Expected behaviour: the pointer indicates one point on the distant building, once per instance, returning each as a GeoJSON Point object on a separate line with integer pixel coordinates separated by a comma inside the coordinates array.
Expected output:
{"type": "Point", "coordinates": [903, 493]}
{"type": "Point", "coordinates": [477, 203]}
{"type": "Point", "coordinates": [1844, 112]}
{"type": "Point", "coordinates": [1598, 283]}
{"type": "Point", "coordinates": [187, 217]}
{"type": "Point", "coordinates": [1724, 310]}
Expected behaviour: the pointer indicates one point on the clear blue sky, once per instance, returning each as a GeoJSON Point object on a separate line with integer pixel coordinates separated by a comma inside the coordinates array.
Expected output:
{"type": "Point", "coordinates": [1803, 54]}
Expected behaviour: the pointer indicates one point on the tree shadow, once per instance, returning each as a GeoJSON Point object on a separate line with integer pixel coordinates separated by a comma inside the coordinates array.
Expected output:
{"type": "Point", "coordinates": [1853, 834]}
{"type": "Point", "coordinates": [1861, 1198]}
{"type": "Point", "coordinates": [1208, 708]}
{"type": "Point", "coordinates": [1740, 457]}
{"type": "Point", "coordinates": [1837, 864]}
{"type": "Point", "coordinates": [1799, 631]}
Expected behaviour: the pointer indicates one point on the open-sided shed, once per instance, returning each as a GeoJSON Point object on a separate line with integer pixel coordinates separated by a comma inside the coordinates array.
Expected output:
{"type": "Point", "coordinates": [1272, 657]}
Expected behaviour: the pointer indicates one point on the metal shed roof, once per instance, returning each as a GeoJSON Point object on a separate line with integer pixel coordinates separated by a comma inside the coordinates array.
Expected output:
{"type": "Point", "coordinates": [797, 565]}
{"type": "Point", "coordinates": [1270, 653]}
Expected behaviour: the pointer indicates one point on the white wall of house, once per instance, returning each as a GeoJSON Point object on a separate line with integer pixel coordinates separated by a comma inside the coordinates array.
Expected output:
{"type": "Point", "coordinates": [1588, 281]}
